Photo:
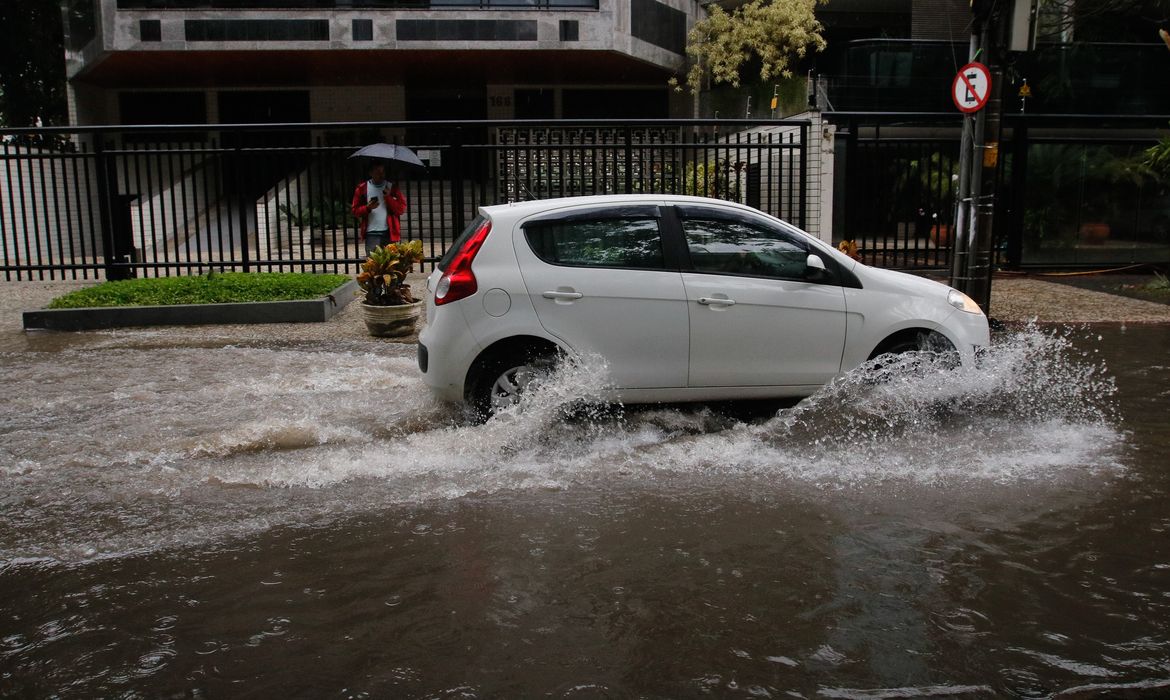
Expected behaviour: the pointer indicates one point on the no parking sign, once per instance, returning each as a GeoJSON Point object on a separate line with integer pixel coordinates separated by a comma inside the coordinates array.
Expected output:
{"type": "Point", "coordinates": [971, 88]}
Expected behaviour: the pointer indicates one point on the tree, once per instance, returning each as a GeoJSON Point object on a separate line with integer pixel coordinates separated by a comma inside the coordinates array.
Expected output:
{"type": "Point", "coordinates": [32, 63]}
{"type": "Point", "coordinates": [770, 32]}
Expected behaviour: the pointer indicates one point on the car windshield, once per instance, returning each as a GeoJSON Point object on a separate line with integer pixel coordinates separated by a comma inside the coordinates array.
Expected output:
{"type": "Point", "coordinates": [459, 241]}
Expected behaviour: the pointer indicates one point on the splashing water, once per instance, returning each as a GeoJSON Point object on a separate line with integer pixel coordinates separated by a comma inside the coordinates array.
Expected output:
{"type": "Point", "coordinates": [112, 450]}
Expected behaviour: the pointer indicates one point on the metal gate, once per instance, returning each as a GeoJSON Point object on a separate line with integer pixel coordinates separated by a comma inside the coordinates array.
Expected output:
{"type": "Point", "coordinates": [117, 202]}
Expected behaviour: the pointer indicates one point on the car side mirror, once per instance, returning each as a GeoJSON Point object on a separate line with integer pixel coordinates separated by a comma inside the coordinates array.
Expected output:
{"type": "Point", "coordinates": [814, 269]}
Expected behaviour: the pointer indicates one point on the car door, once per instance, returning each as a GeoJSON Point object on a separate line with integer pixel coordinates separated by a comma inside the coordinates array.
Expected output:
{"type": "Point", "coordinates": [755, 318]}
{"type": "Point", "coordinates": [600, 280]}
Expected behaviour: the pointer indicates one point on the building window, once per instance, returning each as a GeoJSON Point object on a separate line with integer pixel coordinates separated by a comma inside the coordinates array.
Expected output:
{"type": "Point", "coordinates": [256, 29]}
{"type": "Point", "coordinates": [363, 30]}
{"type": "Point", "coordinates": [150, 30]}
{"type": "Point", "coordinates": [465, 30]}
{"type": "Point", "coordinates": [570, 30]}
{"type": "Point", "coordinates": [659, 24]}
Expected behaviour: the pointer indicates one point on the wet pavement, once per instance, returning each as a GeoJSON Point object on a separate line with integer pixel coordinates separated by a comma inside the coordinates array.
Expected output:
{"type": "Point", "coordinates": [198, 518]}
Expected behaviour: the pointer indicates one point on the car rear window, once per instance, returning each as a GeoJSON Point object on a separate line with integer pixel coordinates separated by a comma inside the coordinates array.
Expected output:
{"type": "Point", "coordinates": [632, 243]}
{"type": "Point", "coordinates": [449, 255]}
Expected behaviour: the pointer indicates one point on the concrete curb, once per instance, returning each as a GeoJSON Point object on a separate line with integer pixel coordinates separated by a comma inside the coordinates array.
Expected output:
{"type": "Point", "coordinates": [93, 318]}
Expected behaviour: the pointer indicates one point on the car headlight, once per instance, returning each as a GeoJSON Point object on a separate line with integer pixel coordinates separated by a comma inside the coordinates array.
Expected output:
{"type": "Point", "coordinates": [962, 302]}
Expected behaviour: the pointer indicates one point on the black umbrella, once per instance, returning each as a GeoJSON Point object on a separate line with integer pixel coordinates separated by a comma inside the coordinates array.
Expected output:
{"type": "Point", "coordinates": [388, 151]}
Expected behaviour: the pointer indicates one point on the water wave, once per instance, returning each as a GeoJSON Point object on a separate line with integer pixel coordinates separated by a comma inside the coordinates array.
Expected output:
{"type": "Point", "coordinates": [175, 445]}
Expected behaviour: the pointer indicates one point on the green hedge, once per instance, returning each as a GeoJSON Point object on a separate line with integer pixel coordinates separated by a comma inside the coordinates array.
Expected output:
{"type": "Point", "coordinates": [215, 288]}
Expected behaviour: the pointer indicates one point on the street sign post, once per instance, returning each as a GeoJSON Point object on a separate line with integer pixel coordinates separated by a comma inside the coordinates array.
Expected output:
{"type": "Point", "coordinates": [971, 88]}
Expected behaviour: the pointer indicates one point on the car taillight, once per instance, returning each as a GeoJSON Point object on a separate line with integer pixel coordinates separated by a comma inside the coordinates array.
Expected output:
{"type": "Point", "coordinates": [457, 281]}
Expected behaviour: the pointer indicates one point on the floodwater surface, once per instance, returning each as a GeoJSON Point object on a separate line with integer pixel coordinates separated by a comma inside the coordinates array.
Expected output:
{"type": "Point", "coordinates": [306, 521]}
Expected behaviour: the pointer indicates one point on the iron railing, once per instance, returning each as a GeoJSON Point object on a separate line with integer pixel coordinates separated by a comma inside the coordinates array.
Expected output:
{"type": "Point", "coordinates": [121, 201]}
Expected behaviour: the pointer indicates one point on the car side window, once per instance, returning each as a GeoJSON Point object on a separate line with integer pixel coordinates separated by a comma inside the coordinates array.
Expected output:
{"type": "Point", "coordinates": [741, 248]}
{"type": "Point", "coordinates": [633, 243]}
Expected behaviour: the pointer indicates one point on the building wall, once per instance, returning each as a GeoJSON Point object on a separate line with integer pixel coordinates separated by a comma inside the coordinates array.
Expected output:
{"type": "Point", "coordinates": [607, 28]}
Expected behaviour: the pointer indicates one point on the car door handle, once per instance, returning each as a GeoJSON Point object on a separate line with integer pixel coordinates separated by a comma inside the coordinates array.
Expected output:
{"type": "Point", "coordinates": [567, 296]}
{"type": "Point", "coordinates": [712, 301]}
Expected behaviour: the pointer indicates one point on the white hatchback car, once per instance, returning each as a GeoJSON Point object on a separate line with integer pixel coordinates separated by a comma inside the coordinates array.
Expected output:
{"type": "Point", "coordinates": [686, 299]}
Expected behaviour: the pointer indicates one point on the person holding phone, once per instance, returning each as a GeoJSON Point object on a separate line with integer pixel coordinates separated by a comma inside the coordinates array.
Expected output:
{"type": "Point", "coordinates": [379, 206]}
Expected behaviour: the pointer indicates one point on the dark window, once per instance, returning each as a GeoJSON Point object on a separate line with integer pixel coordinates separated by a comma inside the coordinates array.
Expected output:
{"type": "Point", "coordinates": [150, 30]}
{"type": "Point", "coordinates": [621, 243]}
{"type": "Point", "coordinates": [257, 29]}
{"type": "Point", "coordinates": [466, 30]}
{"type": "Point", "coordinates": [570, 30]}
{"type": "Point", "coordinates": [162, 107]}
{"type": "Point", "coordinates": [659, 24]}
{"type": "Point", "coordinates": [363, 30]}
{"type": "Point", "coordinates": [741, 248]}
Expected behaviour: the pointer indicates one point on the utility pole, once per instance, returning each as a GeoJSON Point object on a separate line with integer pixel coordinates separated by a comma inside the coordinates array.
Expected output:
{"type": "Point", "coordinates": [974, 239]}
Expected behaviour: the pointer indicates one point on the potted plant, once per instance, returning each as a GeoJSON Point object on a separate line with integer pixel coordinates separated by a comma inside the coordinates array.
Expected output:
{"type": "Point", "coordinates": [388, 307]}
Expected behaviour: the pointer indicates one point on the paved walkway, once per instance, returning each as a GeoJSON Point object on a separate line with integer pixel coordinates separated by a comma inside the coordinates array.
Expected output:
{"type": "Point", "coordinates": [1013, 300]}
{"type": "Point", "coordinates": [1028, 298]}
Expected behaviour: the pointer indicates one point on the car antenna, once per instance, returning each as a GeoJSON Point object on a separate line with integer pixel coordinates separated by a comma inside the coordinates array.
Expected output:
{"type": "Point", "coordinates": [526, 192]}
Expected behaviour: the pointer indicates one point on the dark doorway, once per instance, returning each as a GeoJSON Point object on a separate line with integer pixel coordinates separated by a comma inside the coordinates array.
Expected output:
{"type": "Point", "coordinates": [615, 104]}
{"type": "Point", "coordinates": [263, 106]}
{"type": "Point", "coordinates": [261, 170]}
{"type": "Point", "coordinates": [162, 107]}
{"type": "Point", "coordinates": [449, 104]}
{"type": "Point", "coordinates": [539, 103]}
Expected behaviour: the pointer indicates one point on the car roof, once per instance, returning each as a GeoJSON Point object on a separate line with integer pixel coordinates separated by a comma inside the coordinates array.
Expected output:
{"type": "Point", "coordinates": [536, 206]}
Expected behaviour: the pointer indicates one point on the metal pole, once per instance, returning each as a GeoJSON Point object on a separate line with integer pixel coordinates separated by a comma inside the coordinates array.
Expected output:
{"type": "Point", "coordinates": [963, 217]}
{"type": "Point", "coordinates": [983, 258]}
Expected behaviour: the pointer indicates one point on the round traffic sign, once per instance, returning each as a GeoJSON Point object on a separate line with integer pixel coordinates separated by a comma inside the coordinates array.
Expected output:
{"type": "Point", "coordinates": [971, 88]}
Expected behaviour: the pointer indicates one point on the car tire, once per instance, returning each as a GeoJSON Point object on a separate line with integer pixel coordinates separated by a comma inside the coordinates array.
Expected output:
{"type": "Point", "coordinates": [923, 341]}
{"type": "Point", "coordinates": [502, 380]}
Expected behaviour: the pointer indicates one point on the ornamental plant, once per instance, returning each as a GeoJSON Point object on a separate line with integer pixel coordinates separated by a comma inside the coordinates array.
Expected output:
{"type": "Point", "coordinates": [383, 275]}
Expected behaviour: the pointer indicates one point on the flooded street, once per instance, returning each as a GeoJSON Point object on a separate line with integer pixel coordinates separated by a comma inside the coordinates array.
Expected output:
{"type": "Point", "coordinates": [260, 521]}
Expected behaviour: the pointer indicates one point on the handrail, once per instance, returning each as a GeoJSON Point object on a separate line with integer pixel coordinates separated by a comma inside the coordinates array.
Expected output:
{"type": "Point", "coordinates": [441, 124]}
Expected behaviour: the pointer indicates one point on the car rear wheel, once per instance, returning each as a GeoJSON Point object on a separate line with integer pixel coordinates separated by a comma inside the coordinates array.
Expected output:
{"type": "Point", "coordinates": [504, 381]}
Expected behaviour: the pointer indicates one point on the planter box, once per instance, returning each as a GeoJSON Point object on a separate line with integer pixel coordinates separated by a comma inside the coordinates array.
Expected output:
{"type": "Point", "coordinates": [298, 311]}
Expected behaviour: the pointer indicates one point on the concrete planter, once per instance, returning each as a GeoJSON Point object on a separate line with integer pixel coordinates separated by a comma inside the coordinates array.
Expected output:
{"type": "Point", "coordinates": [298, 311]}
{"type": "Point", "coordinates": [391, 321]}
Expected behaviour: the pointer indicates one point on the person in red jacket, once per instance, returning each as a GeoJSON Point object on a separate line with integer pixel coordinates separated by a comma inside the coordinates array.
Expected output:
{"type": "Point", "coordinates": [379, 205]}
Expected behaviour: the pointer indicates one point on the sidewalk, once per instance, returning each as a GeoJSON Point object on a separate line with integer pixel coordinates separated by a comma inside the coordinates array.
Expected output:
{"type": "Point", "coordinates": [1013, 300]}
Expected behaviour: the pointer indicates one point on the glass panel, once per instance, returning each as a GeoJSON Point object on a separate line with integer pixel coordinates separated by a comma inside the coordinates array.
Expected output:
{"type": "Point", "coordinates": [623, 243]}
{"type": "Point", "coordinates": [1090, 204]}
{"type": "Point", "coordinates": [736, 248]}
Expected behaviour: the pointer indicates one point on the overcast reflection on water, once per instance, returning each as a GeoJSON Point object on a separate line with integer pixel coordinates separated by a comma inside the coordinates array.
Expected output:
{"type": "Point", "coordinates": [187, 519]}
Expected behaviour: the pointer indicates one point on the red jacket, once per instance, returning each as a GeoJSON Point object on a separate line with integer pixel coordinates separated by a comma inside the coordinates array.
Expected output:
{"type": "Point", "coordinates": [395, 200]}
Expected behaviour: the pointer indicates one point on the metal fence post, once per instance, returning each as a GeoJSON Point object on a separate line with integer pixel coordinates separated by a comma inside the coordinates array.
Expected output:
{"type": "Point", "coordinates": [242, 205]}
{"type": "Point", "coordinates": [804, 165]}
{"type": "Point", "coordinates": [104, 171]}
{"type": "Point", "coordinates": [458, 220]}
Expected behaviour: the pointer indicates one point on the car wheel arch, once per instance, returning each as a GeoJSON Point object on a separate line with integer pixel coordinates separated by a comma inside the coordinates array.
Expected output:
{"type": "Point", "coordinates": [908, 335]}
{"type": "Point", "coordinates": [526, 346]}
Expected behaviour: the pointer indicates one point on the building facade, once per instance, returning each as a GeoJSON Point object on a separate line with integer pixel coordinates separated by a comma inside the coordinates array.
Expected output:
{"type": "Point", "coordinates": [252, 61]}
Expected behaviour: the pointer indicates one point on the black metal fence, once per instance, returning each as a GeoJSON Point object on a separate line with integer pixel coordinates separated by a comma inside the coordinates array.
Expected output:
{"type": "Point", "coordinates": [900, 194]}
{"type": "Point", "coordinates": [117, 202]}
